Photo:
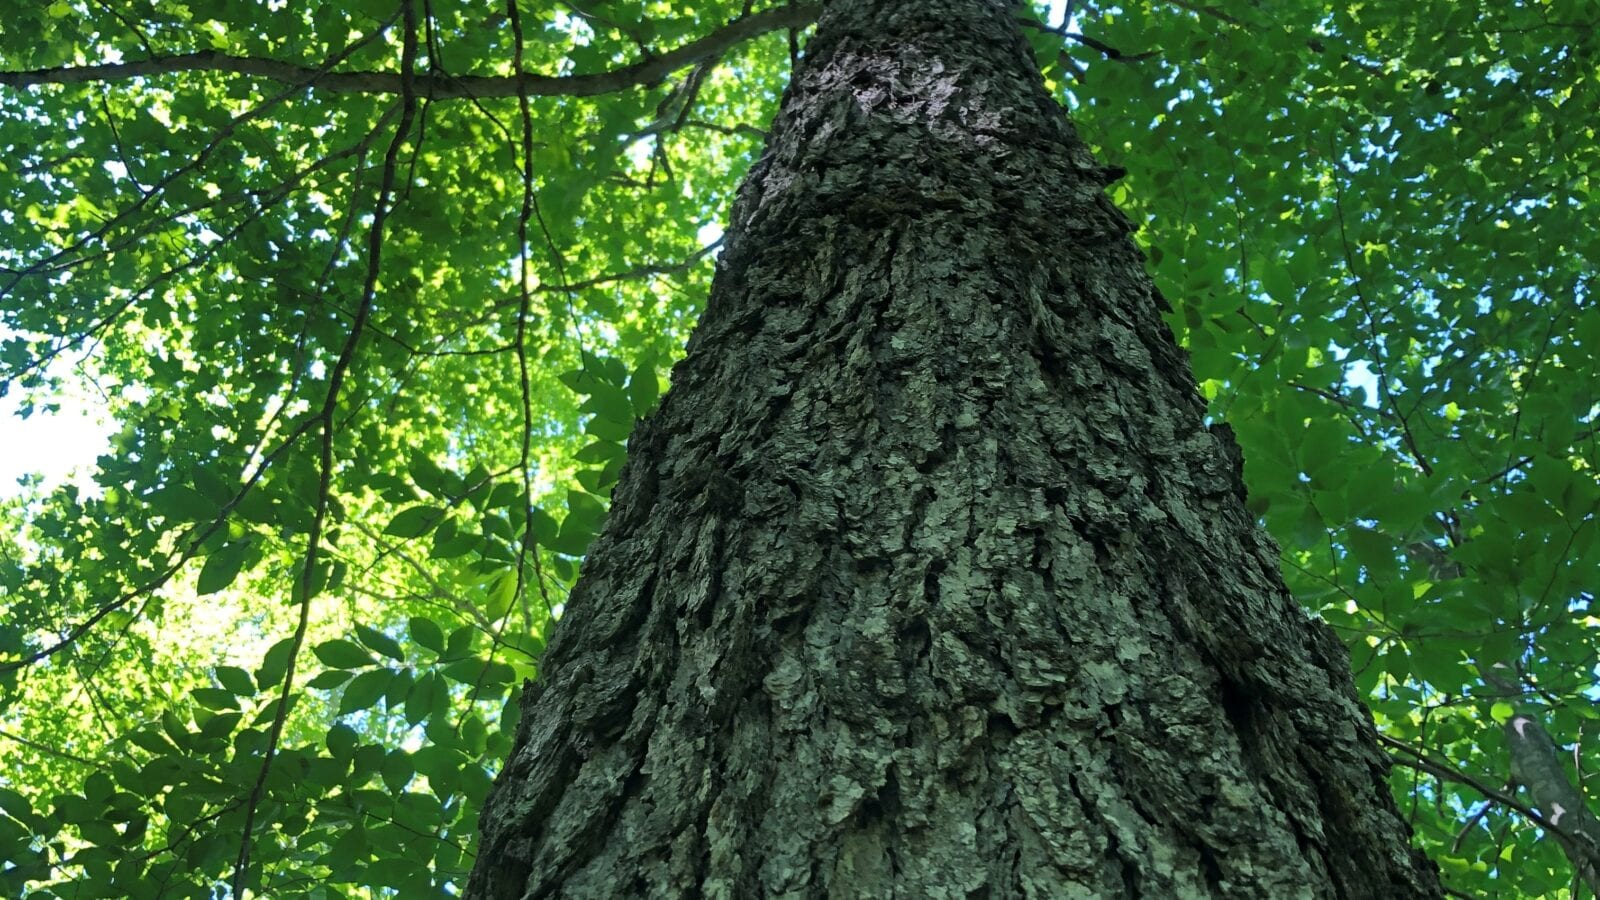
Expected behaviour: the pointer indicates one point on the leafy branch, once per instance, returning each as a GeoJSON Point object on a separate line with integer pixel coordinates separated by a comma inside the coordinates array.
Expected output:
{"type": "Point", "coordinates": [435, 86]}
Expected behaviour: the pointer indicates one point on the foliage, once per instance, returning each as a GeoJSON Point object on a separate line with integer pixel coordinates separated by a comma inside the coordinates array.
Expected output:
{"type": "Point", "coordinates": [374, 350]}
{"type": "Point", "coordinates": [1392, 196]}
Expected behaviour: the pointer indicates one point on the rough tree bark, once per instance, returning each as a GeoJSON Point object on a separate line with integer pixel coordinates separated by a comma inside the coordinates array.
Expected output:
{"type": "Point", "coordinates": [927, 579]}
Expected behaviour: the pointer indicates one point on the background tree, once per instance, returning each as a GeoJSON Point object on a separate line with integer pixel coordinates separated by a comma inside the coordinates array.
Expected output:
{"type": "Point", "coordinates": [317, 268]}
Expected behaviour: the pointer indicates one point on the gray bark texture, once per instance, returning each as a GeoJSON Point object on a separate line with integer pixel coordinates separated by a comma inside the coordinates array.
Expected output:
{"type": "Point", "coordinates": [927, 579]}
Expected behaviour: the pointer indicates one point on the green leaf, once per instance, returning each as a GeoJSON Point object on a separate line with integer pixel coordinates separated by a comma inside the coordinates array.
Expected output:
{"type": "Point", "coordinates": [236, 680]}
{"type": "Point", "coordinates": [275, 663]}
{"type": "Point", "coordinates": [414, 521]}
{"type": "Point", "coordinates": [545, 527]}
{"type": "Point", "coordinates": [427, 633]}
{"type": "Point", "coordinates": [439, 764]}
{"type": "Point", "coordinates": [503, 495]}
{"type": "Point", "coordinates": [1375, 551]}
{"type": "Point", "coordinates": [269, 711]}
{"type": "Point", "coordinates": [428, 696]}
{"type": "Point", "coordinates": [1323, 443]}
{"type": "Point", "coordinates": [149, 740]}
{"type": "Point", "coordinates": [364, 690]}
{"type": "Point", "coordinates": [611, 403]}
{"type": "Point", "coordinates": [399, 688]}
{"type": "Point", "coordinates": [643, 388]}
{"type": "Point", "coordinates": [1278, 283]}
{"type": "Point", "coordinates": [380, 642]}
{"type": "Point", "coordinates": [498, 526]}
{"type": "Point", "coordinates": [608, 429]}
{"type": "Point", "coordinates": [585, 512]}
{"type": "Point", "coordinates": [330, 679]}
{"type": "Point", "coordinates": [572, 542]}
{"type": "Point", "coordinates": [475, 671]}
{"type": "Point", "coordinates": [501, 596]}
{"type": "Point", "coordinates": [448, 543]}
{"type": "Point", "coordinates": [397, 771]}
{"type": "Point", "coordinates": [211, 487]}
{"type": "Point", "coordinates": [220, 726]}
{"type": "Point", "coordinates": [1526, 511]}
{"type": "Point", "coordinates": [341, 740]}
{"type": "Point", "coordinates": [342, 654]}
{"type": "Point", "coordinates": [460, 641]}
{"type": "Point", "coordinates": [367, 760]}
{"type": "Point", "coordinates": [185, 503]}
{"type": "Point", "coordinates": [14, 804]}
{"type": "Point", "coordinates": [581, 381]}
{"type": "Point", "coordinates": [530, 644]}
{"type": "Point", "coordinates": [428, 476]}
{"type": "Point", "coordinates": [564, 569]}
{"type": "Point", "coordinates": [222, 568]}
{"type": "Point", "coordinates": [215, 698]}
{"type": "Point", "coordinates": [599, 451]}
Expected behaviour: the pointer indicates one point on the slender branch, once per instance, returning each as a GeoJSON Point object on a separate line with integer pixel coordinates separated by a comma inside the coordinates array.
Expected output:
{"type": "Point", "coordinates": [328, 427]}
{"type": "Point", "coordinates": [741, 128]}
{"type": "Point", "coordinates": [1110, 52]}
{"type": "Point", "coordinates": [52, 751]}
{"type": "Point", "coordinates": [1379, 355]}
{"type": "Point", "coordinates": [1421, 761]}
{"type": "Point", "coordinates": [166, 573]}
{"type": "Point", "coordinates": [265, 200]}
{"type": "Point", "coordinates": [1533, 370]}
{"type": "Point", "coordinates": [524, 311]}
{"type": "Point", "coordinates": [645, 271]}
{"type": "Point", "coordinates": [437, 87]}
{"type": "Point", "coordinates": [1583, 435]}
{"type": "Point", "coordinates": [307, 74]}
{"type": "Point", "coordinates": [132, 27]}
{"type": "Point", "coordinates": [630, 32]}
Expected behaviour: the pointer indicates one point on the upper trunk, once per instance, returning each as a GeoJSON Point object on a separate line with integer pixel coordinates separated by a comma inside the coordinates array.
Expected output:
{"type": "Point", "coordinates": [927, 580]}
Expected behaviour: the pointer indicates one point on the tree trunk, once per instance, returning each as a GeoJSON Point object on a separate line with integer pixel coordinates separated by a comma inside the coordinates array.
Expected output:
{"type": "Point", "coordinates": [927, 579]}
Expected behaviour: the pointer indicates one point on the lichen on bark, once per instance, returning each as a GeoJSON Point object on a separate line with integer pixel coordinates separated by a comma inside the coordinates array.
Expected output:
{"type": "Point", "coordinates": [927, 579]}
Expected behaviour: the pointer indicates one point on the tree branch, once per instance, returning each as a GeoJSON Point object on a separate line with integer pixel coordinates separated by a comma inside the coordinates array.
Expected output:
{"type": "Point", "coordinates": [325, 420]}
{"type": "Point", "coordinates": [436, 86]}
{"type": "Point", "coordinates": [46, 748]}
{"type": "Point", "coordinates": [1422, 762]}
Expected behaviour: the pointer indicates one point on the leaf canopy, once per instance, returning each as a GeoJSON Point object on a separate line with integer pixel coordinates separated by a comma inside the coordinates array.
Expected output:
{"type": "Point", "coordinates": [373, 318]}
